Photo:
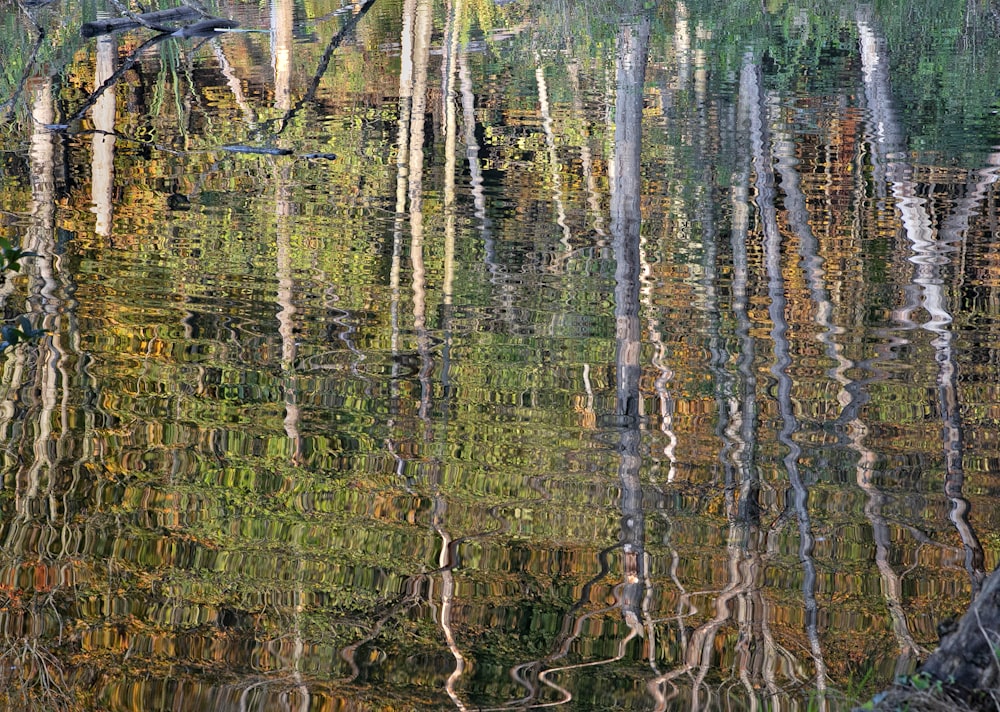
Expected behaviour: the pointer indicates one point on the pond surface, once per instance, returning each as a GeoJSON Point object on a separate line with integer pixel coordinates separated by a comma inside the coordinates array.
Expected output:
{"type": "Point", "coordinates": [470, 355]}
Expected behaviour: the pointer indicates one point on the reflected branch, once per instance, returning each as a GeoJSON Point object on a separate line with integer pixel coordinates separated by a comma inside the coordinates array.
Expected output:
{"type": "Point", "coordinates": [150, 20]}
{"type": "Point", "coordinates": [141, 21]}
{"type": "Point", "coordinates": [572, 629]}
{"type": "Point", "coordinates": [323, 66]}
{"type": "Point", "coordinates": [127, 63]}
{"type": "Point", "coordinates": [567, 696]}
{"type": "Point", "coordinates": [412, 596]}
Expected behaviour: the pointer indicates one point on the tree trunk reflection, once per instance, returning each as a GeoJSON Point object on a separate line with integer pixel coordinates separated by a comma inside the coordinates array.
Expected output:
{"type": "Point", "coordinates": [931, 251]}
{"type": "Point", "coordinates": [626, 221]}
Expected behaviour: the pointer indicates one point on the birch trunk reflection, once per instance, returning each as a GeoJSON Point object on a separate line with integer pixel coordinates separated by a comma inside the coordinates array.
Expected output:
{"type": "Point", "coordinates": [741, 599]}
{"type": "Point", "coordinates": [446, 564]}
{"type": "Point", "coordinates": [43, 298]}
{"type": "Point", "coordinates": [586, 157]}
{"type": "Point", "coordinates": [446, 558]}
{"type": "Point", "coordinates": [282, 14]}
{"type": "Point", "coordinates": [851, 394]}
{"type": "Point", "coordinates": [402, 171]}
{"type": "Point", "coordinates": [415, 175]}
{"type": "Point", "coordinates": [415, 42]}
{"type": "Point", "coordinates": [630, 63]}
{"type": "Point", "coordinates": [282, 37]}
{"type": "Point", "coordinates": [626, 220]}
{"type": "Point", "coordinates": [931, 250]}
{"type": "Point", "coordinates": [757, 652]}
{"type": "Point", "coordinates": [36, 552]}
{"type": "Point", "coordinates": [665, 373]}
{"type": "Point", "coordinates": [505, 292]}
{"type": "Point", "coordinates": [472, 148]}
{"type": "Point", "coordinates": [103, 166]}
{"type": "Point", "coordinates": [282, 18]}
{"type": "Point", "coordinates": [682, 44]}
{"type": "Point", "coordinates": [748, 513]}
{"type": "Point", "coordinates": [757, 655]}
{"type": "Point", "coordinates": [449, 71]}
{"type": "Point", "coordinates": [798, 497]}
{"type": "Point", "coordinates": [555, 169]}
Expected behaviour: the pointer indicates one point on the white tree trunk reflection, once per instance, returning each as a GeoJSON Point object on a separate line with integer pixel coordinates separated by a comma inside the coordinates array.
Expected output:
{"type": "Point", "coordinates": [282, 19]}
{"type": "Point", "coordinates": [851, 394]}
{"type": "Point", "coordinates": [799, 495]}
{"type": "Point", "coordinates": [626, 221]}
{"type": "Point", "coordinates": [931, 250]}
{"type": "Point", "coordinates": [103, 165]}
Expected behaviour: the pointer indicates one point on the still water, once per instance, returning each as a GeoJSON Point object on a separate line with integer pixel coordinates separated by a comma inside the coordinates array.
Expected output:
{"type": "Point", "coordinates": [457, 354]}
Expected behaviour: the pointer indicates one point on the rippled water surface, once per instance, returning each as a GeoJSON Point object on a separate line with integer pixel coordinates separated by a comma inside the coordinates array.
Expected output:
{"type": "Point", "coordinates": [467, 355]}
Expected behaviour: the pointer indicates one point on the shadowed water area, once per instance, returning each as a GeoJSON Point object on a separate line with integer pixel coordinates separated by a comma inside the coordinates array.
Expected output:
{"type": "Point", "coordinates": [457, 354]}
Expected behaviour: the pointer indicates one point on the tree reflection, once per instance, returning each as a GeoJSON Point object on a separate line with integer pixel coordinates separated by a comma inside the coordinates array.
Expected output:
{"type": "Point", "coordinates": [931, 248]}
{"type": "Point", "coordinates": [626, 222]}
{"type": "Point", "coordinates": [305, 390]}
{"type": "Point", "coordinates": [631, 57]}
{"type": "Point", "coordinates": [36, 569]}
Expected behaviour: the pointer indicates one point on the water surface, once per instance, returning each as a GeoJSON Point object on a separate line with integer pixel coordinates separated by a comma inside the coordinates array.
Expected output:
{"type": "Point", "coordinates": [474, 355]}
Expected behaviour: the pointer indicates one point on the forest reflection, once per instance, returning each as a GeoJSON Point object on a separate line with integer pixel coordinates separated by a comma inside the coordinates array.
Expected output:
{"type": "Point", "coordinates": [494, 355]}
